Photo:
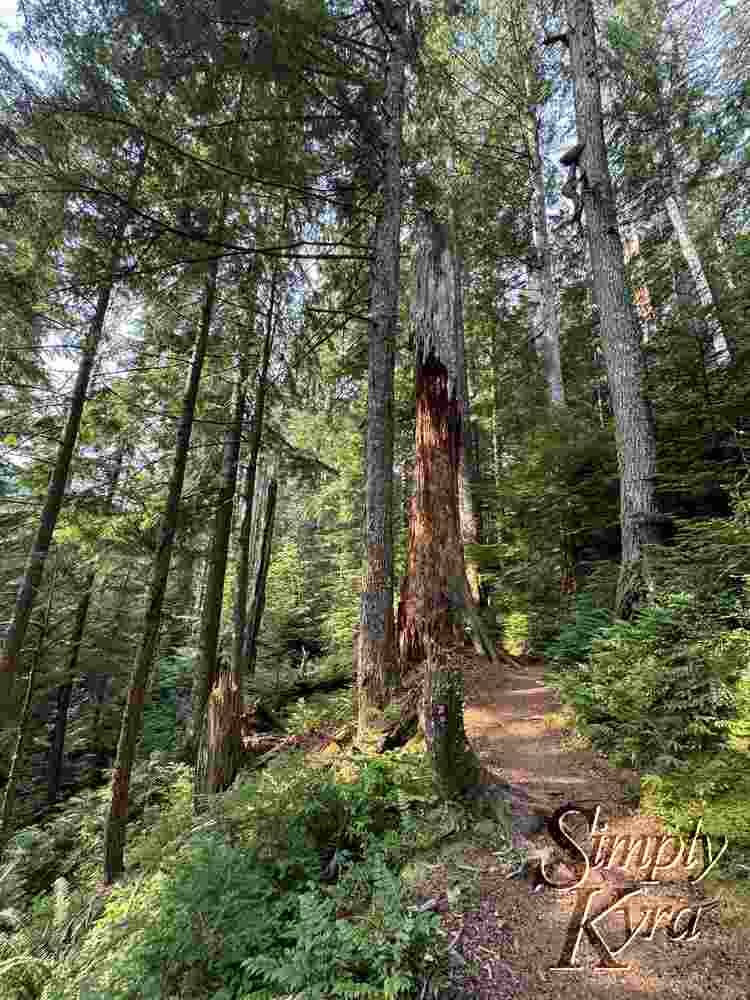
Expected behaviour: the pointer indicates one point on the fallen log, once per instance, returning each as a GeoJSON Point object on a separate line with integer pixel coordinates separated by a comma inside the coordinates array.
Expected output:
{"type": "Point", "coordinates": [305, 688]}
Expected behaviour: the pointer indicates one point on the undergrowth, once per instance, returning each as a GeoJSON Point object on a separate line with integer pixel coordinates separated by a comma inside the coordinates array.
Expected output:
{"type": "Point", "coordinates": [289, 886]}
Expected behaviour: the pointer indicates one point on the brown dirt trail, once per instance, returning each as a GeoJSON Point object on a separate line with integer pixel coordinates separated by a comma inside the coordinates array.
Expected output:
{"type": "Point", "coordinates": [513, 932]}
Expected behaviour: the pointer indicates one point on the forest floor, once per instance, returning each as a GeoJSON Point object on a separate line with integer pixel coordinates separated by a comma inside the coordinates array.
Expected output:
{"type": "Point", "coordinates": [509, 933]}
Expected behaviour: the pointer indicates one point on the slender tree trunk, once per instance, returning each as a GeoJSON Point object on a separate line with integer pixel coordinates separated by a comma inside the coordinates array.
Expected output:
{"type": "Point", "coordinates": [377, 650]}
{"type": "Point", "coordinates": [497, 428]}
{"type": "Point", "coordinates": [636, 447]}
{"type": "Point", "coordinates": [220, 761]}
{"type": "Point", "coordinates": [16, 632]}
{"type": "Point", "coordinates": [719, 354]}
{"type": "Point", "coordinates": [64, 692]}
{"type": "Point", "coordinates": [468, 507]}
{"type": "Point", "coordinates": [239, 656]}
{"type": "Point", "coordinates": [545, 317]}
{"type": "Point", "coordinates": [259, 597]}
{"type": "Point", "coordinates": [9, 795]}
{"type": "Point", "coordinates": [114, 837]}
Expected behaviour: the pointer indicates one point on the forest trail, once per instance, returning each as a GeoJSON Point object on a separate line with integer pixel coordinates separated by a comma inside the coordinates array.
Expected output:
{"type": "Point", "coordinates": [512, 932]}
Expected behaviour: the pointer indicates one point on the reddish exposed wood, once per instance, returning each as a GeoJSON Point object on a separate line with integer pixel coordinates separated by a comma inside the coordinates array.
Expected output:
{"type": "Point", "coordinates": [435, 565]}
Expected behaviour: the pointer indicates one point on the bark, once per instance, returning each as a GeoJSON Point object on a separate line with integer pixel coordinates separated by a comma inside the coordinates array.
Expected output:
{"type": "Point", "coordinates": [114, 836]}
{"type": "Point", "coordinates": [16, 632]}
{"type": "Point", "coordinates": [207, 780]}
{"type": "Point", "coordinates": [435, 595]}
{"type": "Point", "coordinates": [454, 763]}
{"type": "Point", "coordinates": [497, 429]}
{"type": "Point", "coordinates": [468, 507]}
{"type": "Point", "coordinates": [240, 661]}
{"type": "Point", "coordinates": [636, 448]}
{"type": "Point", "coordinates": [435, 556]}
{"type": "Point", "coordinates": [542, 294]}
{"type": "Point", "coordinates": [377, 652]}
{"type": "Point", "coordinates": [64, 692]}
{"type": "Point", "coordinates": [9, 795]}
{"type": "Point", "coordinates": [719, 354]}
{"type": "Point", "coordinates": [220, 746]}
{"type": "Point", "coordinates": [255, 617]}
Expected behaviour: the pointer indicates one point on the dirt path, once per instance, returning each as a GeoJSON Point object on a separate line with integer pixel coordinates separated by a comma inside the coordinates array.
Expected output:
{"type": "Point", "coordinates": [512, 932]}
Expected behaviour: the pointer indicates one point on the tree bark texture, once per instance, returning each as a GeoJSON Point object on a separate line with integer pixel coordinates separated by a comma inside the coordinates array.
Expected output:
{"type": "Point", "coordinates": [219, 746]}
{"type": "Point", "coordinates": [64, 692]}
{"type": "Point", "coordinates": [435, 583]}
{"type": "Point", "coordinates": [240, 660]}
{"type": "Point", "coordinates": [454, 763]}
{"type": "Point", "coordinates": [718, 355]}
{"type": "Point", "coordinates": [9, 794]}
{"type": "Point", "coordinates": [636, 448]}
{"type": "Point", "coordinates": [15, 634]}
{"type": "Point", "coordinates": [377, 650]}
{"type": "Point", "coordinates": [545, 326]}
{"type": "Point", "coordinates": [468, 466]}
{"type": "Point", "coordinates": [207, 674]}
{"type": "Point", "coordinates": [255, 617]}
{"type": "Point", "coordinates": [114, 836]}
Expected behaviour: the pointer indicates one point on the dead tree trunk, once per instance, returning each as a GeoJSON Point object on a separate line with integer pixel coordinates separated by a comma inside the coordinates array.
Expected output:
{"type": "Point", "coordinates": [435, 584]}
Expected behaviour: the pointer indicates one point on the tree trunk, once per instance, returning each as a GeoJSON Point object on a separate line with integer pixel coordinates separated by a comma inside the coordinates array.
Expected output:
{"type": "Point", "coordinates": [16, 632]}
{"type": "Point", "coordinates": [497, 409]}
{"type": "Point", "coordinates": [114, 836]}
{"type": "Point", "coordinates": [219, 745]}
{"type": "Point", "coordinates": [435, 583]}
{"type": "Point", "coordinates": [468, 507]}
{"type": "Point", "coordinates": [240, 663]}
{"type": "Point", "coordinates": [719, 354]}
{"type": "Point", "coordinates": [250, 649]}
{"type": "Point", "coordinates": [207, 674]}
{"type": "Point", "coordinates": [377, 651]}
{"type": "Point", "coordinates": [454, 763]}
{"type": "Point", "coordinates": [636, 447]}
{"type": "Point", "coordinates": [9, 795]}
{"type": "Point", "coordinates": [64, 692]}
{"type": "Point", "coordinates": [545, 326]}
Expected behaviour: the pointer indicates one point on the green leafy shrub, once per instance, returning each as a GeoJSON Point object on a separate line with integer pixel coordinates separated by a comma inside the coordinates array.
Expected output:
{"type": "Point", "coordinates": [332, 709]}
{"type": "Point", "coordinates": [375, 953]}
{"type": "Point", "coordinates": [714, 788]}
{"type": "Point", "coordinates": [238, 920]}
{"type": "Point", "coordinates": [659, 688]}
{"type": "Point", "coordinates": [573, 644]}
